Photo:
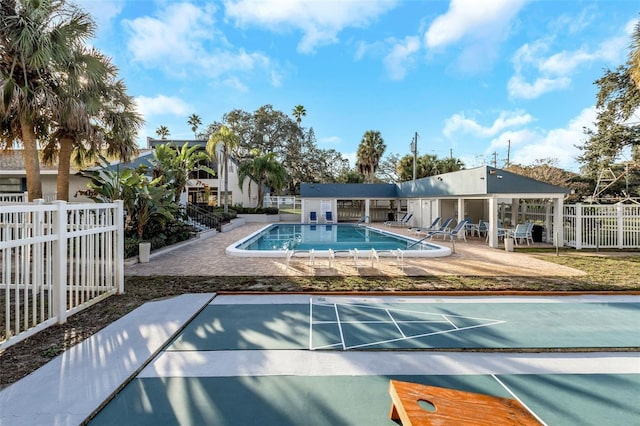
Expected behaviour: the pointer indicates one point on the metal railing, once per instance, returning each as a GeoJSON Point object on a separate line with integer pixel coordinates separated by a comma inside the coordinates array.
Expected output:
{"type": "Point", "coordinates": [55, 260]}
{"type": "Point", "coordinates": [282, 201]}
{"type": "Point", "coordinates": [201, 217]}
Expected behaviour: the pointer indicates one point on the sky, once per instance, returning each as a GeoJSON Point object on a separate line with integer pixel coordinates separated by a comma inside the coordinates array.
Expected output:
{"type": "Point", "coordinates": [477, 79]}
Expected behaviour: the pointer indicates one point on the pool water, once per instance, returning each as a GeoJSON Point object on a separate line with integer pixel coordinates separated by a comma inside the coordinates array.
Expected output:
{"type": "Point", "coordinates": [277, 238]}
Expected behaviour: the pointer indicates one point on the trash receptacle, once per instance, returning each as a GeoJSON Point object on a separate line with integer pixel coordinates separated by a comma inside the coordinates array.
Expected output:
{"type": "Point", "coordinates": [508, 244]}
{"type": "Point", "coordinates": [391, 216]}
{"type": "Point", "coordinates": [536, 233]}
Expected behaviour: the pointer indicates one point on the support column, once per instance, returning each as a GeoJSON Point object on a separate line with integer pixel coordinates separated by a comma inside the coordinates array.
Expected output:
{"type": "Point", "coordinates": [461, 212]}
{"type": "Point", "coordinates": [558, 225]}
{"type": "Point", "coordinates": [493, 222]}
{"type": "Point", "coordinates": [367, 204]}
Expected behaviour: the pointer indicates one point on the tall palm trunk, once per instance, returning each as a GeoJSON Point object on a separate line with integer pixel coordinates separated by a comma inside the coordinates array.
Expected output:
{"type": "Point", "coordinates": [31, 160]}
{"type": "Point", "coordinates": [64, 164]}
{"type": "Point", "coordinates": [226, 180]}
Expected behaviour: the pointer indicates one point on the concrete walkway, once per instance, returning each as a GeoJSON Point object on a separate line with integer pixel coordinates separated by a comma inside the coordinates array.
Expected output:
{"type": "Point", "coordinates": [473, 258]}
{"type": "Point", "coordinates": [72, 386]}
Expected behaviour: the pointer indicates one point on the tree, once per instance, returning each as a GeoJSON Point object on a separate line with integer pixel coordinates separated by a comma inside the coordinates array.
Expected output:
{"type": "Point", "coordinates": [634, 57]}
{"type": "Point", "coordinates": [370, 152]}
{"type": "Point", "coordinates": [298, 113]}
{"type": "Point", "coordinates": [37, 42]}
{"type": "Point", "coordinates": [163, 132]}
{"type": "Point", "coordinates": [95, 114]}
{"type": "Point", "coordinates": [546, 170]}
{"type": "Point", "coordinates": [220, 145]}
{"type": "Point", "coordinates": [266, 170]}
{"type": "Point", "coordinates": [388, 168]}
{"type": "Point", "coordinates": [618, 100]}
{"type": "Point", "coordinates": [194, 121]}
{"type": "Point", "coordinates": [172, 166]}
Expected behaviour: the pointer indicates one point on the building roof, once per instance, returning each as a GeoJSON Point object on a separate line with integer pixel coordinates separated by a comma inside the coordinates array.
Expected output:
{"type": "Point", "coordinates": [476, 182]}
{"type": "Point", "coordinates": [12, 163]}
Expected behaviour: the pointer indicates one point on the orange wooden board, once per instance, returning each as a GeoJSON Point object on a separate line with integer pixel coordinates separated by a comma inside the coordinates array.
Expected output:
{"type": "Point", "coordinates": [454, 407]}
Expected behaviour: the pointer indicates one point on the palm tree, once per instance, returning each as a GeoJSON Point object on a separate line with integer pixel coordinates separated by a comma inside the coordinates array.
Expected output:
{"type": "Point", "coordinates": [173, 165]}
{"type": "Point", "coordinates": [37, 41]}
{"type": "Point", "coordinates": [163, 132]}
{"type": "Point", "coordinates": [194, 121]}
{"type": "Point", "coordinates": [298, 113]}
{"type": "Point", "coordinates": [266, 170]}
{"type": "Point", "coordinates": [95, 113]}
{"type": "Point", "coordinates": [370, 152]}
{"type": "Point", "coordinates": [634, 56]}
{"type": "Point", "coordinates": [221, 144]}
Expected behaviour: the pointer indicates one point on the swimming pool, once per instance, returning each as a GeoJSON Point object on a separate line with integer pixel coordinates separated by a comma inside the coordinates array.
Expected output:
{"type": "Point", "coordinates": [275, 239]}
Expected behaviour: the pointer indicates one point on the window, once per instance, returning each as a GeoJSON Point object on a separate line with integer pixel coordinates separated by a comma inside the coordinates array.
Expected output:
{"type": "Point", "coordinates": [10, 185]}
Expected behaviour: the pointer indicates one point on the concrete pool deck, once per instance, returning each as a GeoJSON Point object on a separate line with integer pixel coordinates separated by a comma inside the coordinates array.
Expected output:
{"type": "Point", "coordinates": [207, 257]}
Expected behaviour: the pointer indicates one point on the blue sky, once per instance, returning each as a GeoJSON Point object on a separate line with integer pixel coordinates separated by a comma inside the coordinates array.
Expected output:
{"type": "Point", "coordinates": [467, 75]}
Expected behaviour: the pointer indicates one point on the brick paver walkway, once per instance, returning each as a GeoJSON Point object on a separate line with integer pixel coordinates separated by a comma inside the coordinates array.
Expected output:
{"type": "Point", "coordinates": [208, 257]}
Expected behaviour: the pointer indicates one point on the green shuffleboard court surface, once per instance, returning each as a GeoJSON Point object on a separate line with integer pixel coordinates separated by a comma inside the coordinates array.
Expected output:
{"type": "Point", "coordinates": [351, 326]}
{"type": "Point", "coordinates": [358, 400]}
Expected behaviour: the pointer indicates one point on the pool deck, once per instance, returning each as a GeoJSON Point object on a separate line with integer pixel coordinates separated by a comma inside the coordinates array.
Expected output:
{"type": "Point", "coordinates": [207, 257]}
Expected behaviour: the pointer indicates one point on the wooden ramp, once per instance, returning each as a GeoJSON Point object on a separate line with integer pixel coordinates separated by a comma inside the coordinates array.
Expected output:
{"type": "Point", "coordinates": [415, 404]}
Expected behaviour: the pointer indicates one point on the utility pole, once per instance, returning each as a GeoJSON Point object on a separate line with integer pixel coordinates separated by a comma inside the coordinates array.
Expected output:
{"type": "Point", "coordinates": [414, 151]}
{"type": "Point", "coordinates": [495, 159]}
{"type": "Point", "coordinates": [508, 152]}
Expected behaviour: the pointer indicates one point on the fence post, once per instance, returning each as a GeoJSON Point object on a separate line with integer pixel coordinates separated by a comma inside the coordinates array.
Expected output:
{"type": "Point", "coordinates": [578, 226]}
{"type": "Point", "coordinates": [620, 224]}
{"type": "Point", "coordinates": [59, 279]}
{"type": "Point", "coordinates": [120, 246]}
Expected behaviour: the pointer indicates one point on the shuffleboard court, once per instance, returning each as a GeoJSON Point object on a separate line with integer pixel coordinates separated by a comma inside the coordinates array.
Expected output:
{"type": "Point", "coordinates": [317, 360]}
{"type": "Point", "coordinates": [393, 323]}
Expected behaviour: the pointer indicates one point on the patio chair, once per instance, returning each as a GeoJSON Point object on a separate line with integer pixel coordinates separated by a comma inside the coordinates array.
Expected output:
{"type": "Point", "coordinates": [310, 254]}
{"type": "Point", "coordinates": [520, 233]}
{"type": "Point", "coordinates": [313, 217]}
{"type": "Point", "coordinates": [453, 233]}
{"type": "Point", "coordinates": [328, 216]}
{"type": "Point", "coordinates": [441, 230]}
{"type": "Point", "coordinates": [390, 222]}
{"type": "Point", "coordinates": [402, 222]}
{"type": "Point", "coordinates": [432, 227]}
{"type": "Point", "coordinates": [375, 255]}
{"type": "Point", "coordinates": [363, 220]}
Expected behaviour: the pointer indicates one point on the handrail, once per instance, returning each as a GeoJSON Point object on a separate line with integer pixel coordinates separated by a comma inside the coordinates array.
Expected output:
{"type": "Point", "coordinates": [202, 216]}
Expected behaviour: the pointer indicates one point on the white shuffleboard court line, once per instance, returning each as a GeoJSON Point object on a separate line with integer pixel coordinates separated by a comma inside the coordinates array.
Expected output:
{"type": "Point", "coordinates": [363, 345]}
{"type": "Point", "coordinates": [310, 323]}
{"type": "Point", "coordinates": [449, 321]}
{"type": "Point", "coordinates": [395, 323]}
{"type": "Point", "coordinates": [519, 400]}
{"type": "Point", "coordinates": [344, 346]}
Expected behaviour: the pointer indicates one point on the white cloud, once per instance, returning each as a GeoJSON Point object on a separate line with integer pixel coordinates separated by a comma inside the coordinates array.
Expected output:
{"type": "Point", "coordinates": [471, 18]}
{"type": "Point", "coordinates": [537, 72]}
{"type": "Point", "coordinates": [460, 124]}
{"type": "Point", "coordinates": [162, 105]}
{"type": "Point", "coordinates": [528, 145]}
{"type": "Point", "coordinates": [182, 40]}
{"type": "Point", "coordinates": [319, 21]}
{"type": "Point", "coordinates": [401, 57]}
{"type": "Point", "coordinates": [103, 12]}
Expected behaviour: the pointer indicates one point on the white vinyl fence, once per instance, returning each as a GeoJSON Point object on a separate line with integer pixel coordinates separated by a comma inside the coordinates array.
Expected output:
{"type": "Point", "coordinates": [20, 197]}
{"type": "Point", "coordinates": [55, 260]}
{"type": "Point", "coordinates": [282, 201]}
{"type": "Point", "coordinates": [602, 226]}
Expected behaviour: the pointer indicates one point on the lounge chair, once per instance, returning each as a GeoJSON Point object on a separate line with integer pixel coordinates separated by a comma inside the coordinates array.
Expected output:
{"type": "Point", "coordinates": [313, 217]}
{"type": "Point", "coordinates": [390, 222]}
{"type": "Point", "coordinates": [363, 220]}
{"type": "Point", "coordinates": [431, 227]}
{"type": "Point", "coordinates": [375, 255]}
{"type": "Point", "coordinates": [328, 216]}
{"type": "Point", "coordinates": [310, 254]}
{"type": "Point", "coordinates": [402, 222]}
{"type": "Point", "coordinates": [440, 230]}
{"type": "Point", "coordinates": [451, 234]}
